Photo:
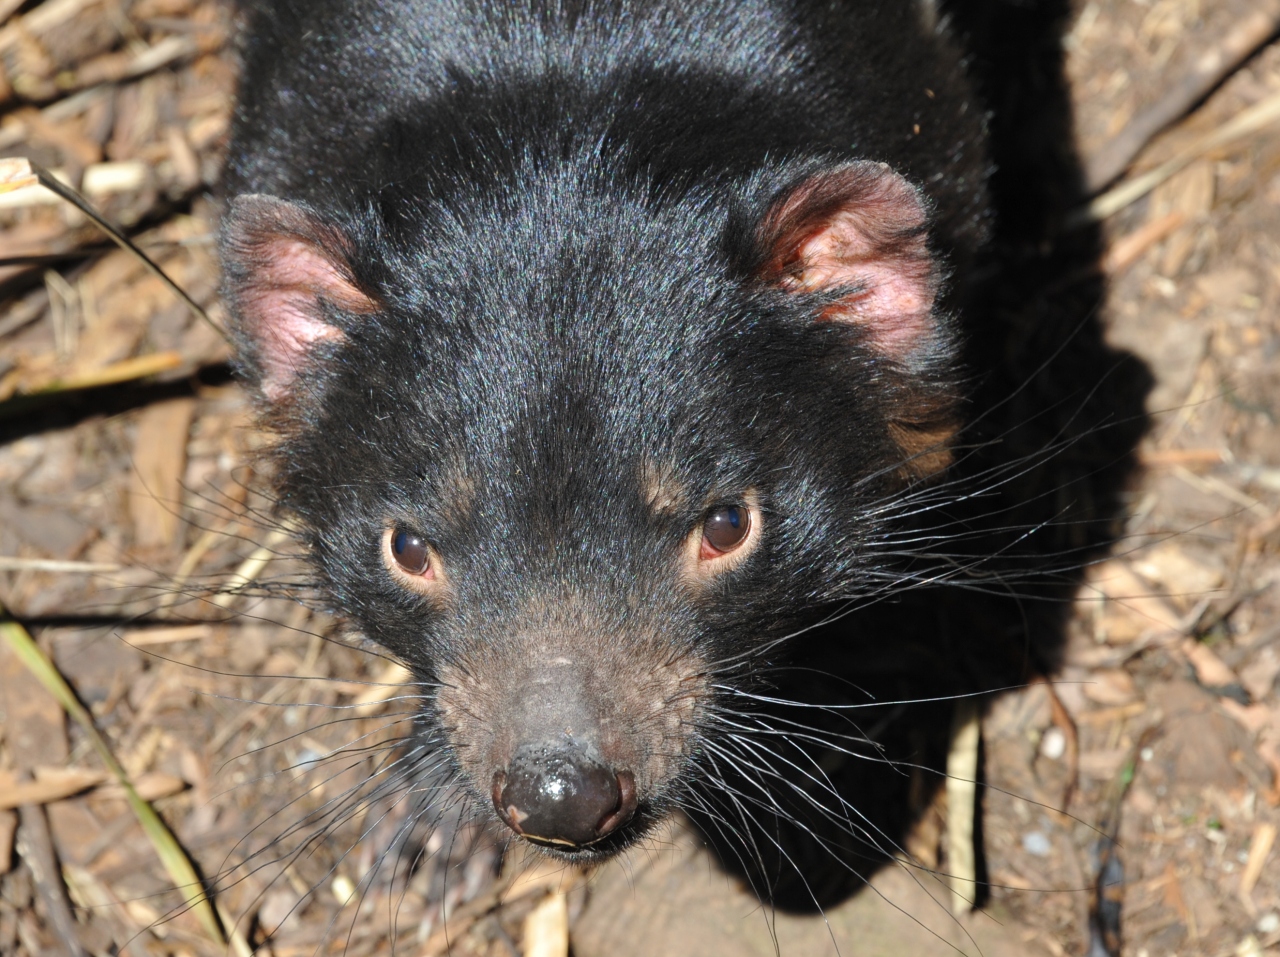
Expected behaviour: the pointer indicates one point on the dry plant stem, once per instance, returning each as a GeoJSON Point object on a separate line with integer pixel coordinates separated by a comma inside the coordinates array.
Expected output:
{"type": "Point", "coordinates": [35, 845]}
{"type": "Point", "coordinates": [1264, 837]}
{"type": "Point", "coordinates": [51, 183]}
{"type": "Point", "coordinates": [1129, 249]}
{"type": "Point", "coordinates": [1210, 68]}
{"type": "Point", "coordinates": [171, 854]}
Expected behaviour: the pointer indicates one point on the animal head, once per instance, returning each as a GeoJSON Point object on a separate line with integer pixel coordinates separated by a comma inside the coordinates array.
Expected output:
{"type": "Point", "coordinates": [580, 451]}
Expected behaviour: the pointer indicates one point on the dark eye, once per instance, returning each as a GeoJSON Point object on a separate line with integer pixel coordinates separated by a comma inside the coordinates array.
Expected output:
{"type": "Point", "coordinates": [410, 552]}
{"type": "Point", "coordinates": [725, 529]}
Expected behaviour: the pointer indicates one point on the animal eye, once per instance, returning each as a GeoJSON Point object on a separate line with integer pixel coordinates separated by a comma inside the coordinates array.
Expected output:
{"type": "Point", "coordinates": [724, 530]}
{"type": "Point", "coordinates": [411, 553]}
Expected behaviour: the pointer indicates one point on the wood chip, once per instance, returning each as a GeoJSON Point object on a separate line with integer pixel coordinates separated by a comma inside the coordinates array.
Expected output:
{"type": "Point", "coordinates": [1111, 687]}
{"type": "Point", "coordinates": [105, 179]}
{"type": "Point", "coordinates": [159, 461]}
{"type": "Point", "coordinates": [15, 173]}
{"type": "Point", "coordinates": [150, 787]}
{"type": "Point", "coordinates": [1189, 195]}
{"type": "Point", "coordinates": [149, 637]}
{"type": "Point", "coordinates": [1120, 585]}
{"type": "Point", "coordinates": [51, 784]}
{"type": "Point", "coordinates": [1127, 250]}
{"type": "Point", "coordinates": [1209, 668]}
{"type": "Point", "coordinates": [1264, 836]}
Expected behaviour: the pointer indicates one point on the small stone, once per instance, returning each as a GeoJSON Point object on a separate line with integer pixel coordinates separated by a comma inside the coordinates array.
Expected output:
{"type": "Point", "coordinates": [1053, 744]}
{"type": "Point", "coordinates": [1249, 947]}
{"type": "Point", "coordinates": [1269, 923]}
{"type": "Point", "coordinates": [343, 889]}
{"type": "Point", "coordinates": [1035, 843]}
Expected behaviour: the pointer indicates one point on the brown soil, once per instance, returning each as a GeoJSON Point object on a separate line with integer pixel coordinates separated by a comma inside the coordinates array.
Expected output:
{"type": "Point", "coordinates": [1163, 726]}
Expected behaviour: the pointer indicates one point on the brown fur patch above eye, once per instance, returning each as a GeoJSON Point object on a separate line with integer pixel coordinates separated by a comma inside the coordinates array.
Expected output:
{"type": "Point", "coordinates": [457, 488]}
{"type": "Point", "coordinates": [925, 451]}
{"type": "Point", "coordinates": [662, 490]}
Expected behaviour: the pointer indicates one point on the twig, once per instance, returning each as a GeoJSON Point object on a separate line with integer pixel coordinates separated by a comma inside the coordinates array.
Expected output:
{"type": "Point", "coordinates": [1129, 249]}
{"type": "Point", "coordinates": [1209, 70]}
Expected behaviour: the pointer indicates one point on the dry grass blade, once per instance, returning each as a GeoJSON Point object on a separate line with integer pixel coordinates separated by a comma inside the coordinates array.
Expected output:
{"type": "Point", "coordinates": [114, 374]}
{"type": "Point", "coordinates": [251, 567]}
{"type": "Point", "coordinates": [167, 848]}
{"type": "Point", "coordinates": [1245, 123]}
{"type": "Point", "coordinates": [15, 563]}
{"type": "Point", "coordinates": [1209, 69]}
{"type": "Point", "coordinates": [127, 370]}
{"type": "Point", "coordinates": [54, 185]}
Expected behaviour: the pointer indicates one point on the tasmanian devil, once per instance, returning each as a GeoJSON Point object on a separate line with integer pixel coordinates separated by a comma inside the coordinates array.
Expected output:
{"type": "Point", "coordinates": [633, 386]}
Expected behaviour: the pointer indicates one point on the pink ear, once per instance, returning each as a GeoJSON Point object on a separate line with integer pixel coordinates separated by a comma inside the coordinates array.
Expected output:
{"type": "Point", "coordinates": [282, 266]}
{"type": "Point", "coordinates": [859, 229]}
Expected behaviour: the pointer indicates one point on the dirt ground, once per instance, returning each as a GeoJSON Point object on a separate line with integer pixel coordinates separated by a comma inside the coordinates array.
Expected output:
{"type": "Point", "coordinates": [129, 525]}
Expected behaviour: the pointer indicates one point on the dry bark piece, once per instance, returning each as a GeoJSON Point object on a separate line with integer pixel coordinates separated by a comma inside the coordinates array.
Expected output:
{"type": "Point", "coordinates": [1111, 687]}
{"type": "Point", "coordinates": [1116, 582]}
{"type": "Point", "coordinates": [1209, 668]}
{"type": "Point", "coordinates": [35, 845]}
{"type": "Point", "coordinates": [15, 173]}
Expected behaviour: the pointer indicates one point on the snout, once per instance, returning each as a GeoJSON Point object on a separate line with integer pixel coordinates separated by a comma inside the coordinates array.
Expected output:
{"type": "Point", "coordinates": [561, 795]}
{"type": "Point", "coordinates": [573, 738]}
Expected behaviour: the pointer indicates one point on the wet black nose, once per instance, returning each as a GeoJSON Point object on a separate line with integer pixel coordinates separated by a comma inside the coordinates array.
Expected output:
{"type": "Point", "coordinates": [562, 797]}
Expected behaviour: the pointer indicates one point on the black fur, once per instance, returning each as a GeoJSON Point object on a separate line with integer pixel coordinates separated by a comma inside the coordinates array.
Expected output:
{"type": "Point", "coordinates": [556, 211]}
